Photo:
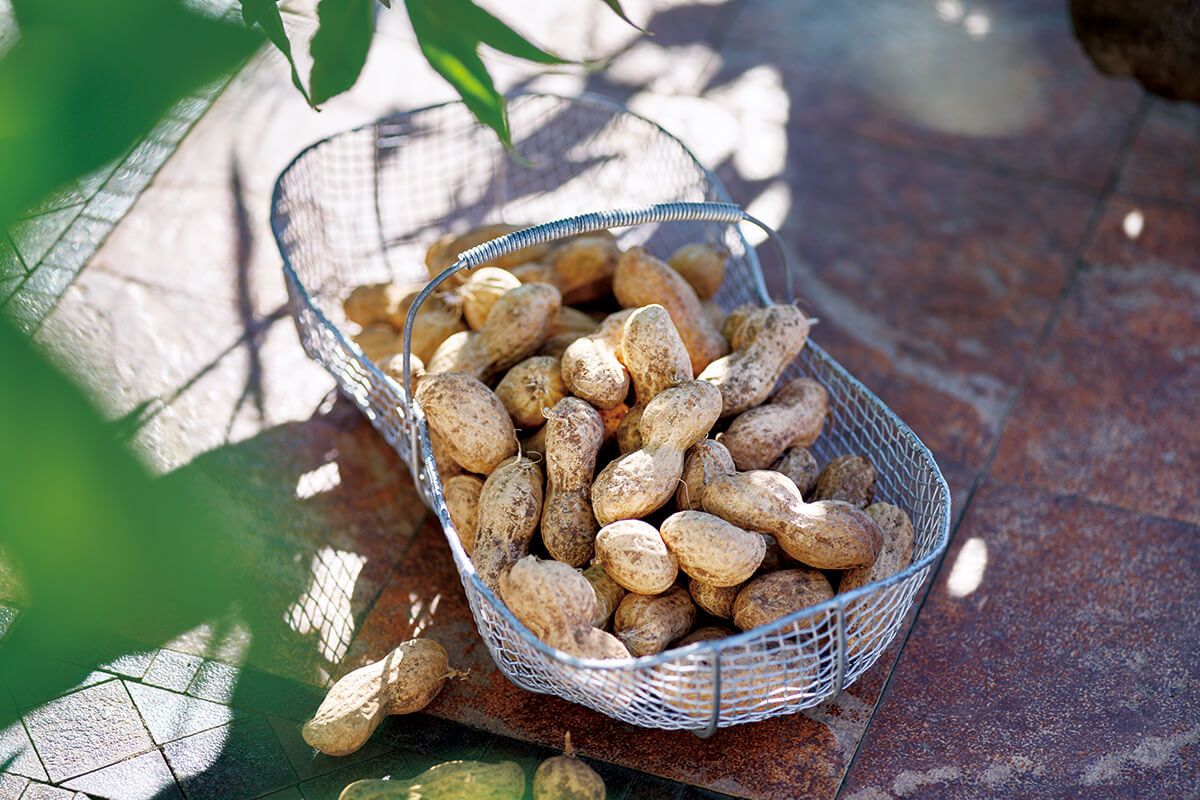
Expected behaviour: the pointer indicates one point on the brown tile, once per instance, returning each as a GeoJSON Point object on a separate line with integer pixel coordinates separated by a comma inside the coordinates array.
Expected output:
{"type": "Point", "coordinates": [1110, 412]}
{"type": "Point", "coordinates": [990, 84]}
{"type": "Point", "coordinates": [1164, 160]}
{"type": "Point", "coordinates": [1055, 657]}
{"type": "Point", "coordinates": [932, 282]}
{"type": "Point", "coordinates": [809, 752]}
{"type": "Point", "coordinates": [1134, 232]}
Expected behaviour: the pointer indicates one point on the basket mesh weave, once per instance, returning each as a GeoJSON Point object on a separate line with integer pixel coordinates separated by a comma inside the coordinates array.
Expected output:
{"type": "Point", "coordinates": [363, 206]}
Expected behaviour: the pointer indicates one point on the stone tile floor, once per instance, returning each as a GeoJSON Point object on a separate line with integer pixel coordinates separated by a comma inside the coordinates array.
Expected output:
{"type": "Point", "coordinates": [1001, 243]}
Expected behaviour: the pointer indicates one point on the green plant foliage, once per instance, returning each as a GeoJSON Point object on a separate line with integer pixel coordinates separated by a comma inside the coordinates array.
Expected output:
{"type": "Point", "coordinates": [450, 33]}
{"type": "Point", "coordinates": [86, 80]}
{"type": "Point", "coordinates": [615, 5]}
{"type": "Point", "coordinates": [265, 14]}
{"type": "Point", "coordinates": [339, 48]}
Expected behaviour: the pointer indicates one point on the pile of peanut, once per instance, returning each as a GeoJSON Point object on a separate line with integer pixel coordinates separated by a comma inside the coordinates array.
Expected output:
{"type": "Point", "coordinates": [616, 455]}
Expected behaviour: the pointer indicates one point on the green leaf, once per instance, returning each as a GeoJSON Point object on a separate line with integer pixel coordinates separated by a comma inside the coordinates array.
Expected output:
{"type": "Point", "coordinates": [86, 80]}
{"type": "Point", "coordinates": [475, 22]}
{"type": "Point", "coordinates": [105, 550]}
{"type": "Point", "coordinates": [265, 14]}
{"type": "Point", "coordinates": [339, 48]}
{"type": "Point", "coordinates": [615, 5]}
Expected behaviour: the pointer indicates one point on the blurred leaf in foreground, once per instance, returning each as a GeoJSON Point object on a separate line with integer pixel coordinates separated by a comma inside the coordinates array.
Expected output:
{"type": "Point", "coordinates": [615, 5]}
{"type": "Point", "coordinates": [450, 32]}
{"type": "Point", "coordinates": [339, 48]}
{"type": "Point", "coordinates": [105, 550]}
{"type": "Point", "coordinates": [84, 81]}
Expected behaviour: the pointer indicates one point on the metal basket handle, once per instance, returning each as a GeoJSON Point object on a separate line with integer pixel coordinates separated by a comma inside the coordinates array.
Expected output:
{"type": "Point", "coordinates": [729, 213]}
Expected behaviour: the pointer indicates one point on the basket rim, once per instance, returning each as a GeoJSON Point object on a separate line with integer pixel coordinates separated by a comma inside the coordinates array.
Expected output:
{"type": "Point", "coordinates": [435, 496]}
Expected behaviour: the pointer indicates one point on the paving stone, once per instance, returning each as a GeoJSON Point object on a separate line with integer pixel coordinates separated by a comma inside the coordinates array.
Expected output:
{"type": "Point", "coordinates": [11, 265]}
{"type": "Point", "coordinates": [941, 325]}
{"type": "Point", "coordinates": [87, 730]}
{"type": "Point", "coordinates": [290, 793]}
{"type": "Point", "coordinates": [35, 236]}
{"type": "Point", "coordinates": [251, 688]}
{"type": "Point", "coordinates": [171, 716]}
{"type": "Point", "coordinates": [215, 681]}
{"type": "Point", "coordinates": [41, 791]}
{"type": "Point", "coordinates": [308, 762]}
{"type": "Point", "coordinates": [237, 761]}
{"type": "Point", "coordinates": [394, 764]}
{"type": "Point", "coordinates": [993, 85]}
{"type": "Point", "coordinates": [172, 670]}
{"type": "Point", "coordinates": [11, 786]}
{"type": "Point", "coordinates": [17, 754]}
{"type": "Point", "coordinates": [1109, 413]}
{"type": "Point", "coordinates": [7, 617]}
{"type": "Point", "coordinates": [144, 777]}
{"type": "Point", "coordinates": [130, 665]}
{"type": "Point", "coordinates": [30, 689]}
{"type": "Point", "coordinates": [1054, 656]}
{"type": "Point", "coordinates": [433, 736]}
{"type": "Point", "coordinates": [1164, 160]}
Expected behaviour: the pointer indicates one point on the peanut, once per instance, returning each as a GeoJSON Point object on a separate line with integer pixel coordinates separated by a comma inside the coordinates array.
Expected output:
{"type": "Point", "coordinates": [515, 328]}
{"type": "Point", "coordinates": [775, 595]}
{"type": "Point", "coordinates": [801, 466]}
{"type": "Point", "coordinates": [452, 780]}
{"type": "Point", "coordinates": [642, 481]}
{"type": "Point", "coordinates": [827, 535]}
{"type": "Point", "coordinates": [704, 462]}
{"type": "Point", "coordinates": [510, 505]}
{"type": "Point", "coordinates": [592, 368]}
{"type": "Point", "coordinates": [480, 292]}
{"type": "Point", "coordinates": [567, 778]}
{"type": "Point", "coordinates": [462, 503]}
{"type": "Point", "coordinates": [767, 343]}
{"type": "Point", "coordinates": [472, 423]}
{"type": "Point", "coordinates": [529, 388]}
{"type": "Point", "coordinates": [710, 549]}
{"type": "Point", "coordinates": [608, 594]}
{"type": "Point", "coordinates": [656, 359]}
{"type": "Point", "coordinates": [635, 556]}
{"type": "Point", "coordinates": [702, 265]}
{"type": "Point", "coordinates": [553, 600]}
{"type": "Point", "coordinates": [402, 682]}
{"type": "Point", "coordinates": [446, 250]}
{"type": "Point", "coordinates": [715, 600]}
{"type": "Point", "coordinates": [896, 553]}
{"type": "Point", "coordinates": [847, 478]}
{"type": "Point", "coordinates": [574, 433]}
{"type": "Point", "coordinates": [584, 267]}
{"type": "Point", "coordinates": [642, 279]}
{"type": "Point", "coordinates": [794, 418]}
{"type": "Point", "coordinates": [647, 625]}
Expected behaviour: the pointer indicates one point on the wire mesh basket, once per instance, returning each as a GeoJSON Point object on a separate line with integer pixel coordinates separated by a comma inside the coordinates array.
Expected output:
{"type": "Point", "coordinates": [363, 206]}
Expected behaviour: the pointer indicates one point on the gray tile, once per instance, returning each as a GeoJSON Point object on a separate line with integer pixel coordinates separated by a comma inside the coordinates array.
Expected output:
{"type": "Point", "coordinates": [41, 791]}
{"type": "Point", "coordinates": [87, 730]}
{"type": "Point", "coordinates": [172, 670]}
{"type": "Point", "coordinates": [290, 793]}
{"type": "Point", "coordinates": [15, 745]}
{"type": "Point", "coordinates": [171, 716]}
{"type": "Point", "coordinates": [144, 777]}
{"type": "Point", "coordinates": [110, 205]}
{"type": "Point", "coordinates": [130, 665]}
{"type": "Point", "coordinates": [10, 263]}
{"type": "Point", "coordinates": [35, 236]}
{"type": "Point", "coordinates": [7, 617]}
{"type": "Point", "coordinates": [239, 760]}
{"type": "Point", "coordinates": [32, 688]}
{"type": "Point", "coordinates": [309, 763]}
{"type": "Point", "coordinates": [215, 681]}
{"type": "Point", "coordinates": [11, 786]}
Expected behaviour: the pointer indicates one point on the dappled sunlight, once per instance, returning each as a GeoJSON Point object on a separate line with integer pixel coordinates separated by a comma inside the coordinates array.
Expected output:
{"type": "Point", "coordinates": [1133, 223]}
{"type": "Point", "coordinates": [422, 613]}
{"type": "Point", "coordinates": [772, 206]}
{"type": "Point", "coordinates": [967, 573]}
{"type": "Point", "coordinates": [949, 67]}
{"type": "Point", "coordinates": [325, 608]}
{"type": "Point", "coordinates": [324, 478]}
